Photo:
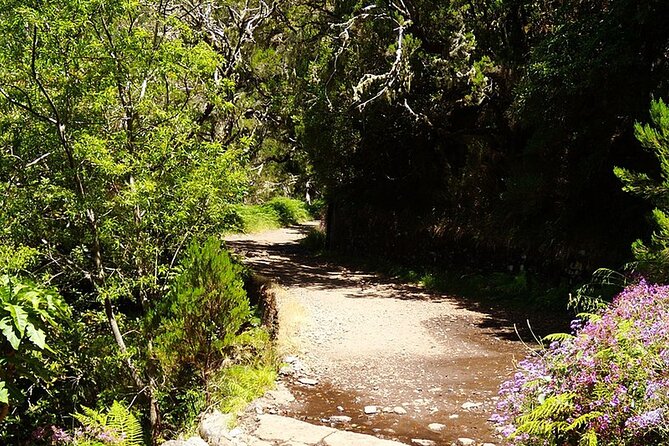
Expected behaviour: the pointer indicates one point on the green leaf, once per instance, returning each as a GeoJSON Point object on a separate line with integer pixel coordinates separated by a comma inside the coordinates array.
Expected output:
{"type": "Point", "coordinates": [8, 332]}
{"type": "Point", "coordinates": [37, 336]}
{"type": "Point", "coordinates": [19, 316]}
{"type": "Point", "coordinates": [4, 393]}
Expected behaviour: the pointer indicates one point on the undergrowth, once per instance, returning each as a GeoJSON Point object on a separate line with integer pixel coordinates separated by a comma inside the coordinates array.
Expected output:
{"type": "Point", "coordinates": [605, 384]}
{"type": "Point", "coordinates": [276, 213]}
{"type": "Point", "coordinates": [234, 387]}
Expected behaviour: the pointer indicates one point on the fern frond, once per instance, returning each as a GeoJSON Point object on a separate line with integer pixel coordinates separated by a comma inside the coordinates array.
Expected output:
{"type": "Point", "coordinates": [121, 420]}
{"type": "Point", "coordinates": [583, 420]}
{"type": "Point", "coordinates": [91, 418]}
{"type": "Point", "coordinates": [588, 439]}
{"type": "Point", "coordinates": [559, 337]}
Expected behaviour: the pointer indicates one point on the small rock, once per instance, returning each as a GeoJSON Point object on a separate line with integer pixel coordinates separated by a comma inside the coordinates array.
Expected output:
{"type": "Point", "coordinates": [453, 416]}
{"type": "Point", "coordinates": [308, 381]}
{"type": "Point", "coordinates": [195, 441]}
{"type": "Point", "coordinates": [488, 444]}
{"type": "Point", "coordinates": [387, 409]}
{"type": "Point", "coordinates": [174, 443]}
{"type": "Point", "coordinates": [214, 428]}
{"type": "Point", "coordinates": [399, 410]}
{"type": "Point", "coordinates": [436, 427]}
{"type": "Point", "coordinates": [340, 419]}
{"type": "Point", "coordinates": [466, 442]}
{"type": "Point", "coordinates": [340, 409]}
{"type": "Point", "coordinates": [290, 359]}
{"type": "Point", "coordinates": [286, 370]}
{"type": "Point", "coordinates": [370, 410]}
{"type": "Point", "coordinates": [470, 406]}
{"type": "Point", "coordinates": [236, 432]}
{"type": "Point", "coordinates": [421, 442]}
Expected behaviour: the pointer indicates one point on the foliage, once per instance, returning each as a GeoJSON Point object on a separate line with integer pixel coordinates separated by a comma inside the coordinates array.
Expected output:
{"type": "Point", "coordinates": [117, 427]}
{"type": "Point", "coordinates": [200, 320]}
{"type": "Point", "coordinates": [608, 384]}
{"type": "Point", "coordinates": [289, 211]}
{"type": "Point", "coordinates": [594, 295]}
{"type": "Point", "coordinates": [236, 386]}
{"type": "Point", "coordinates": [276, 213]}
{"type": "Point", "coordinates": [315, 240]}
{"type": "Point", "coordinates": [653, 259]}
{"type": "Point", "coordinates": [30, 316]}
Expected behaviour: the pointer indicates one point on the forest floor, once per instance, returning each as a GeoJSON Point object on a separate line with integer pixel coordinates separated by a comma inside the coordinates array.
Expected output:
{"type": "Point", "coordinates": [377, 356]}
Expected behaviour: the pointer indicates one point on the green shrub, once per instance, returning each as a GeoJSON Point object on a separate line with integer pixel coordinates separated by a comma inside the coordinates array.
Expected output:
{"type": "Point", "coordinates": [198, 322]}
{"type": "Point", "coordinates": [253, 218]}
{"type": "Point", "coordinates": [315, 240]}
{"type": "Point", "coordinates": [278, 212]}
{"type": "Point", "coordinates": [289, 210]}
{"type": "Point", "coordinates": [236, 386]}
{"type": "Point", "coordinates": [29, 317]}
{"type": "Point", "coordinates": [653, 257]}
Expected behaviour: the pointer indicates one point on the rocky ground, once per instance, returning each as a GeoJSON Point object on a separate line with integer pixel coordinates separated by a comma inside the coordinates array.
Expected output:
{"type": "Point", "coordinates": [369, 355]}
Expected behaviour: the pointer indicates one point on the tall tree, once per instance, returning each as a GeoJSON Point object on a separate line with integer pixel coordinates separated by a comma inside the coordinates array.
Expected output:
{"type": "Point", "coordinates": [103, 168]}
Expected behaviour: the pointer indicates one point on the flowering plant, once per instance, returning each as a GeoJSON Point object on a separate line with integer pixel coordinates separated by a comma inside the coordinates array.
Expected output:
{"type": "Point", "coordinates": [606, 384]}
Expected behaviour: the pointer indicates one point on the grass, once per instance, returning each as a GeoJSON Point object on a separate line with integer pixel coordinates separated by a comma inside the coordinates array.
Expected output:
{"type": "Point", "coordinates": [238, 385]}
{"type": "Point", "coordinates": [314, 241]}
{"type": "Point", "coordinates": [278, 212]}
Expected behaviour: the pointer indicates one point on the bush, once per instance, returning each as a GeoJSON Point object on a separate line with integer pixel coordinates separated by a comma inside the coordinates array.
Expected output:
{"type": "Point", "coordinates": [199, 321]}
{"type": "Point", "coordinates": [278, 212]}
{"type": "Point", "coordinates": [607, 384]}
{"type": "Point", "coordinates": [315, 240]}
{"type": "Point", "coordinates": [289, 210]}
{"type": "Point", "coordinates": [30, 317]}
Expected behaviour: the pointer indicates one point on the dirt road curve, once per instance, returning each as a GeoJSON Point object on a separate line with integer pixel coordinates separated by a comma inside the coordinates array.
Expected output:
{"type": "Point", "coordinates": [370, 341]}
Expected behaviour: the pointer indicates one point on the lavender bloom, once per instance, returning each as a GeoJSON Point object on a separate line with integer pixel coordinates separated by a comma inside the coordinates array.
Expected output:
{"type": "Point", "coordinates": [614, 374]}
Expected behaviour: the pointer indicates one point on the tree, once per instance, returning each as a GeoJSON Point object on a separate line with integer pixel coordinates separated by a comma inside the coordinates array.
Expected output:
{"type": "Point", "coordinates": [104, 168]}
{"type": "Point", "coordinates": [653, 257]}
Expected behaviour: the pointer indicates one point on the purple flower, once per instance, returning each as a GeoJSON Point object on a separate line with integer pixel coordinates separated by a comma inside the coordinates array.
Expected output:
{"type": "Point", "coordinates": [614, 372]}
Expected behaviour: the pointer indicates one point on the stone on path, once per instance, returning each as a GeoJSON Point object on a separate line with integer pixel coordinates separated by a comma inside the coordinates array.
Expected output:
{"type": "Point", "coordinates": [308, 381]}
{"type": "Point", "coordinates": [277, 428]}
{"type": "Point", "coordinates": [470, 406]}
{"type": "Point", "coordinates": [436, 427]}
{"type": "Point", "coordinates": [465, 442]}
{"type": "Point", "coordinates": [421, 442]}
{"type": "Point", "coordinates": [344, 438]}
{"type": "Point", "coordinates": [340, 419]}
{"type": "Point", "coordinates": [370, 410]}
{"type": "Point", "coordinates": [195, 441]}
{"type": "Point", "coordinates": [399, 410]}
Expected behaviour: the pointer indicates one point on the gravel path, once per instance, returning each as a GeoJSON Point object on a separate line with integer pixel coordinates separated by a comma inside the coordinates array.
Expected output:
{"type": "Point", "coordinates": [370, 341]}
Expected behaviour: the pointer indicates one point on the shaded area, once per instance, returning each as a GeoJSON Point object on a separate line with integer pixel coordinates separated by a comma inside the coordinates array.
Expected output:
{"type": "Point", "coordinates": [290, 264]}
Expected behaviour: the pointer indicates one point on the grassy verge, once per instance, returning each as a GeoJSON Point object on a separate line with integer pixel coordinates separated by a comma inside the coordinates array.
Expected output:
{"type": "Point", "coordinates": [278, 212]}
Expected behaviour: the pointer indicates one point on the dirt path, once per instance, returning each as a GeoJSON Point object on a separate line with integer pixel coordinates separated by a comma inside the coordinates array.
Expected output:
{"type": "Point", "coordinates": [419, 357]}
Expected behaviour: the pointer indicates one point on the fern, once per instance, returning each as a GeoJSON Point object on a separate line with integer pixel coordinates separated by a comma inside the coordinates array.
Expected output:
{"type": "Point", "coordinates": [588, 439]}
{"type": "Point", "coordinates": [541, 420]}
{"type": "Point", "coordinates": [118, 427]}
{"type": "Point", "coordinates": [557, 337]}
{"type": "Point", "coordinates": [121, 420]}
